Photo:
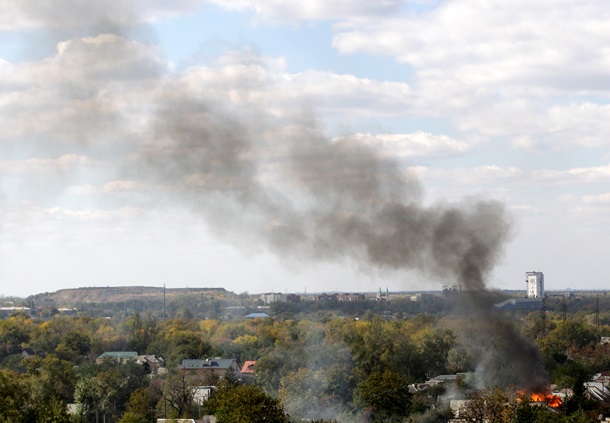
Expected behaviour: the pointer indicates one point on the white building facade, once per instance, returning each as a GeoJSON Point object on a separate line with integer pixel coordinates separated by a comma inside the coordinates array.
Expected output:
{"type": "Point", "coordinates": [535, 284]}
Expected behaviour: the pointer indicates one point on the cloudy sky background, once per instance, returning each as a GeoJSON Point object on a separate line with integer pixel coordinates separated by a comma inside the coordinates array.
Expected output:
{"type": "Point", "coordinates": [502, 100]}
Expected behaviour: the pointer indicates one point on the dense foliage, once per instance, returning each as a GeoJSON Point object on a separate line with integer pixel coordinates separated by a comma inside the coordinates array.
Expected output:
{"type": "Point", "coordinates": [315, 365]}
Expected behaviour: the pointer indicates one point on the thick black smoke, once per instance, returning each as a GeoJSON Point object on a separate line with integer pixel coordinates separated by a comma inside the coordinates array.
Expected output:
{"type": "Point", "coordinates": [265, 175]}
{"type": "Point", "coordinates": [305, 195]}
{"type": "Point", "coordinates": [283, 184]}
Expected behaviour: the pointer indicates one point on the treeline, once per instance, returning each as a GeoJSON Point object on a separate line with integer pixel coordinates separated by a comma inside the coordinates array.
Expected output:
{"type": "Point", "coordinates": [330, 368]}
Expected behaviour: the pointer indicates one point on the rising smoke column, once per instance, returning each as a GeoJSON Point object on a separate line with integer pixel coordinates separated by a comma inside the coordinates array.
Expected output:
{"type": "Point", "coordinates": [302, 194]}
{"type": "Point", "coordinates": [262, 176]}
{"type": "Point", "coordinates": [283, 184]}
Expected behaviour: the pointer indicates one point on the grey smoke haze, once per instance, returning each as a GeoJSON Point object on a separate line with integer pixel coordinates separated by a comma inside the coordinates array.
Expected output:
{"type": "Point", "coordinates": [270, 180]}
{"type": "Point", "coordinates": [304, 195]}
{"type": "Point", "coordinates": [507, 358]}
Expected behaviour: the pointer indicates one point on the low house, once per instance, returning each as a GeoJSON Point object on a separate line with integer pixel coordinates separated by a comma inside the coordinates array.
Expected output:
{"type": "Point", "coordinates": [459, 406]}
{"type": "Point", "coordinates": [603, 377]}
{"type": "Point", "coordinates": [415, 388]}
{"type": "Point", "coordinates": [154, 363]}
{"type": "Point", "coordinates": [257, 316]}
{"type": "Point", "coordinates": [422, 297]}
{"type": "Point", "coordinates": [202, 393]}
{"type": "Point", "coordinates": [210, 369]}
{"type": "Point", "coordinates": [9, 311]}
{"type": "Point", "coordinates": [247, 371]}
{"type": "Point", "coordinates": [325, 297]}
{"type": "Point", "coordinates": [351, 297]}
{"type": "Point", "coordinates": [520, 304]}
{"type": "Point", "coordinates": [440, 379]}
{"type": "Point", "coordinates": [27, 352]}
{"type": "Point", "coordinates": [597, 391]}
{"type": "Point", "coordinates": [276, 297]}
{"type": "Point", "coordinates": [120, 357]}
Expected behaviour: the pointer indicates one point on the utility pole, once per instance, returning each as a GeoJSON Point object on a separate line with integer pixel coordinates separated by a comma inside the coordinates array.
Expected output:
{"type": "Point", "coordinates": [597, 314]}
{"type": "Point", "coordinates": [164, 302]}
{"type": "Point", "coordinates": [543, 319]}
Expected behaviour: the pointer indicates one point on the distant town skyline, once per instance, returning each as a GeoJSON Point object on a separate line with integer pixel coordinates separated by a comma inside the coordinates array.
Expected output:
{"type": "Point", "coordinates": [104, 181]}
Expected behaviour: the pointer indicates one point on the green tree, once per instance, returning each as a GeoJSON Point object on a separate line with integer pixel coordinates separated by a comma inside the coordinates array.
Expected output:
{"type": "Point", "coordinates": [245, 404]}
{"type": "Point", "coordinates": [78, 342]}
{"type": "Point", "coordinates": [141, 332]}
{"type": "Point", "coordinates": [387, 393]}
{"type": "Point", "coordinates": [87, 395]}
{"type": "Point", "coordinates": [176, 345]}
{"type": "Point", "coordinates": [434, 350]}
{"type": "Point", "coordinates": [491, 405]}
{"type": "Point", "coordinates": [130, 417]}
{"type": "Point", "coordinates": [177, 396]}
{"type": "Point", "coordinates": [245, 347]}
{"type": "Point", "coordinates": [278, 362]}
{"type": "Point", "coordinates": [14, 398]}
{"type": "Point", "coordinates": [139, 401]}
{"type": "Point", "coordinates": [55, 377]}
{"type": "Point", "coordinates": [140, 406]}
{"type": "Point", "coordinates": [22, 403]}
{"type": "Point", "coordinates": [14, 331]}
{"type": "Point", "coordinates": [305, 395]}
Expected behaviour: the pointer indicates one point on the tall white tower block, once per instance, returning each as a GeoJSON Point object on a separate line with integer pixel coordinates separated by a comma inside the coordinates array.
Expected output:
{"type": "Point", "coordinates": [535, 284]}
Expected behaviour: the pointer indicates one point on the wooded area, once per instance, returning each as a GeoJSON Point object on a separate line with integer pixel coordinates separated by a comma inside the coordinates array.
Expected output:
{"type": "Point", "coordinates": [319, 366]}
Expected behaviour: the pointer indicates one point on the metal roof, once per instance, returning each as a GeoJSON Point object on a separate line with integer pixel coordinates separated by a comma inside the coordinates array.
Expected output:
{"type": "Point", "coordinates": [217, 363]}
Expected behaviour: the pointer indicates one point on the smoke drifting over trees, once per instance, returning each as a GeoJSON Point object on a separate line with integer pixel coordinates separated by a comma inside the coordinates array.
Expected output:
{"type": "Point", "coordinates": [302, 194]}
{"type": "Point", "coordinates": [287, 186]}
{"type": "Point", "coordinates": [259, 168]}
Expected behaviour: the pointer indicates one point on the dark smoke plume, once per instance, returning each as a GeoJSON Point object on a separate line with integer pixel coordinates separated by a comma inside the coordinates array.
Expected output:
{"type": "Point", "coordinates": [287, 186]}
{"type": "Point", "coordinates": [302, 194]}
{"type": "Point", "coordinates": [274, 179]}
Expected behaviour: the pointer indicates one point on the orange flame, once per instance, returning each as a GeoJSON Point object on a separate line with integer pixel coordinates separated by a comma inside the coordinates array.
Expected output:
{"type": "Point", "coordinates": [548, 398]}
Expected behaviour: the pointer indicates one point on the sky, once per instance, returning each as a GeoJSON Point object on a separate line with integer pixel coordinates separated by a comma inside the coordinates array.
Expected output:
{"type": "Point", "coordinates": [273, 145]}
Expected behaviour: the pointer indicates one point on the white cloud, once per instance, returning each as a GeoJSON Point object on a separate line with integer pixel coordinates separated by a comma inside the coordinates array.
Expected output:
{"type": "Point", "coordinates": [64, 163]}
{"type": "Point", "coordinates": [481, 44]}
{"type": "Point", "coordinates": [124, 186]}
{"type": "Point", "coordinates": [31, 217]}
{"type": "Point", "coordinates": [81, 94]}
{"type": "Point", "coordinates": [414, 145]}
{"type": "Point", "coordinates": [287, 10]}
{"type": "Point", "coordinates": [533, 72]}
{"type": "Point", "coordinates": [535, 127]}
{"type": "Point", "coordinates": [81, 190]}
{"type": "Point", "coordinates": [347, 94]}
{"type": "Point", "coordinates": [62, 14]}
{"type": "Point", "coordinates": [99, 14]}
{"type": "Point", "coordinates": [602, 199]}
{"type": "Point", "coordinates": [591, 174]}
{"type": "Point", "coordinates": [105, 58]}
{"type": "Point", "coordinates": [240, 79]}
{"type": "Point", "coordinates": [92, 215]}
{"type": "Point", "coordinates": [534, 179]}
{"type": "Point", "coordinates": [74, 14]}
